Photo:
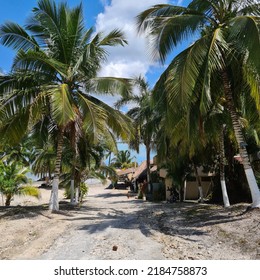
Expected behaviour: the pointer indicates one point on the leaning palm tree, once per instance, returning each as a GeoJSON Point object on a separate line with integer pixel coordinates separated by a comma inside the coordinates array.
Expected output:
{"type": "Point", "coordinates": [54, 75]}
{"type": "Point", "coordinates": [206, 70]}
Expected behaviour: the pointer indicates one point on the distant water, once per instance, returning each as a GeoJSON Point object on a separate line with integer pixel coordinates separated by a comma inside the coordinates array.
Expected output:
{"type": "Point", "coordinates": [93, 181]}
{"type": "Point", "coordinates": [32, 176]}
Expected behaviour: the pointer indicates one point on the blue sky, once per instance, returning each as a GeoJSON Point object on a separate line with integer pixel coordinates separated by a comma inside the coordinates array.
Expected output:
{"type": "Point", "coordinates": [105, 15]}
{"type": "Point", "coordinates": [18, 10]}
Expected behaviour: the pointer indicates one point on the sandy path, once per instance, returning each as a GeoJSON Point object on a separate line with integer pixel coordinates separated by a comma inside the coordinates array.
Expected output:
{"type": "Point", "coordinates": [139, 229]}
{"type": "Point", "coordinates": [108, 219]}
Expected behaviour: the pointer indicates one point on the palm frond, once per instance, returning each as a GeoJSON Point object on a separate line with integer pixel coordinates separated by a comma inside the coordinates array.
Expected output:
{"type": "Point", "coordinates": [189, 74]}
{"type": "Point", "coordinates": [13, 35]}
{"type": "Point", "coordinates": [249, 7]}
{"type": "Point", "coordinates": [48, 18]}
{"type": "Point", "coordinates": [13, 129]}
{"type": "Point", "coordinates": [144, 19]}
{"type": "Point", "coordinates": [62, 104]}
{"type": "Point", "coordinates": [252, 80]}
{"type": "Point", "coordinates": [168, 25]}
{"type": "Point", "coordinates": [75, 30]}
{"type": "Point", "coordinates": [245, 34]}
{"type": "Point", "coordinates": [38, 61]}
{"type": "Point", "coordinates": [29, 190]}
{"type": "Point", "coordinates": [93, 126]}
{"type": "Point", "coordinates": [118, 122]}
{"type": "Point", "coordinates": [111, 85]}
{"type": "Point", "coordinates": [115, 37]}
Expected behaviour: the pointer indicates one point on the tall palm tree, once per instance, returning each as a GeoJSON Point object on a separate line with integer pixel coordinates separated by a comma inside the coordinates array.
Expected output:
{"type": "Point", "coordinates": [206, 70]}
{"type": "Point", "coordinates": [222, 168]}
{"type": "Point", "coordinates": [144, 117]}
{"type": "Point", "coordinates": [54, 74]}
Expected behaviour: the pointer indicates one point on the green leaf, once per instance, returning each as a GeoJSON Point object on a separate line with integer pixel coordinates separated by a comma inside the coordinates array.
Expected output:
{"type": "Point", "coordinates": [111, 85]}
{"type": "Point", "coordinates": [13, 35]}
{"type": "Point", "coordinates": [115, 37]}
{"type": "Point", "coordinates": [244, 33]}
{"type": "Point", "coordinates": [62, 104]}
{"type": "Point", "coordinates": [38, 61]}
{"type": "Point", "coordinates": [169, 25]}
{"type": "Point", "coordinates": [14, 128]}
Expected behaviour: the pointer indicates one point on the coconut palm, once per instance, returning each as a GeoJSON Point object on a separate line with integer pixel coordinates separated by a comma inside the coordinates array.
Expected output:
{"type": "Point", "coordinates": [207, 70]}
{"type": "Point", "coordinates": [144, 117]}
{"type": "Point", "coordinates": [122, 159]}
{"type": "Point", "coordinates": [20, 153]}
{"type": "Point", "coordinates": [222, 168]}
{"type": "Point", "coordinates": [84, 159]}
{"type": "Point", "coordinates": [12, 181]}
{"type": "Point", "coordinates": [54, 75]}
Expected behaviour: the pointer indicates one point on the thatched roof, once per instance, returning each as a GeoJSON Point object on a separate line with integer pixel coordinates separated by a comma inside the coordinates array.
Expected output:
{"type": "Point", "coordinates": [121, 172]}
{"type": "Point", "coordinates": [142, 169]}
{"type": "Point", "coordinates": [136, 172]}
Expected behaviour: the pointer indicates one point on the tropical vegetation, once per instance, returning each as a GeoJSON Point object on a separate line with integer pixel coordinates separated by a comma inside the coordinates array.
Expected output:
{"type": "Point", "coordinates": [144, 117]}
{"type": "Point", "coordinates": [122, 160]}
{"type": "Point", "coordinates": [49, 89]}
{"type": "Point", "coordinates": [218, 69]}
{"type": "Point", "coordinates": [203, 110]}
{"type": "Point", "coordinates": [13, 181]}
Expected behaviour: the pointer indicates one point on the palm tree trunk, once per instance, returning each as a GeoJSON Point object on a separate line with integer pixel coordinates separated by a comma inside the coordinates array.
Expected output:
{"type": "Point", "coordinates": [72, 188]}
{"type": "Point", "coordinates": [8, 199]}
{"type": "Point", "coordinates": [198, 179]}
{"type": "Point", "coordinates": [183, 188]}
{"type": "Point", "coordinates": [72, 180]}
{"type": "Point", "coordinates": [54, 199]}
{"type": "Point", "coordinates": [49, 174]}
{"type": "Point", "coordinates": [2, 199]}
{"type": "Point", "coordinates": [148, 167]}
{"type": "Point", "coordinates": [222, 170]}
{"type": "Point", "coordinates": [77, 195]}
{"type": "Point", "coordinates": [255, 193]}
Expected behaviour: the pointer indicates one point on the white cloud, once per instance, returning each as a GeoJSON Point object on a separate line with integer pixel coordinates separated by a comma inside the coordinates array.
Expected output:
{"type": "Point", "coordinates": [124, 68]}
{"type": "Point", "coordinates": [133, 59]}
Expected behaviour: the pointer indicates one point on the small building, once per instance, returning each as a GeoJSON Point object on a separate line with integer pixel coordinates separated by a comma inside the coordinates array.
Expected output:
{"type": "Point", "coordinates": [141, 171]}
{"type": "Point", "coordinates": [125, 174]}
{"type": "Point", "coordinates": [191, 190]}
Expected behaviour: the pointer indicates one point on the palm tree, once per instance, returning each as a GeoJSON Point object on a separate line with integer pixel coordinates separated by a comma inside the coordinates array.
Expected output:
{"type": "Point", "coordinates": [144, 117]}
{"type": "Point", "coordinates": [20, 153]}
{"type": "Point", "coordinates": [12, 176]}
{"type": "Point", "coordinates": [207, 69]}
{"type": "Point", "coordinates": [53, 76]}
{"type": "Point", "coordinates": [122, 159]}
{"type": "Point", "coordinates": [222, 168]}
{"type": "Point", "coordinates": [84, 159]}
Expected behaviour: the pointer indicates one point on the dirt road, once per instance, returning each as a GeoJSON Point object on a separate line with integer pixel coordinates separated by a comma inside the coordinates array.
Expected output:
{"type": "Point", "coordinates": [110, 227]}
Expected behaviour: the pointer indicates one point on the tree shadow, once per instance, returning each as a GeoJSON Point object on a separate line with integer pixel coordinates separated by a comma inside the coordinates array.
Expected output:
{"type": "Point", "coordinates": [30, 211]}
{"type": "Point", "coordinates": [182, 220]}
{"type": "Point", "coordinates": [109, 195]}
